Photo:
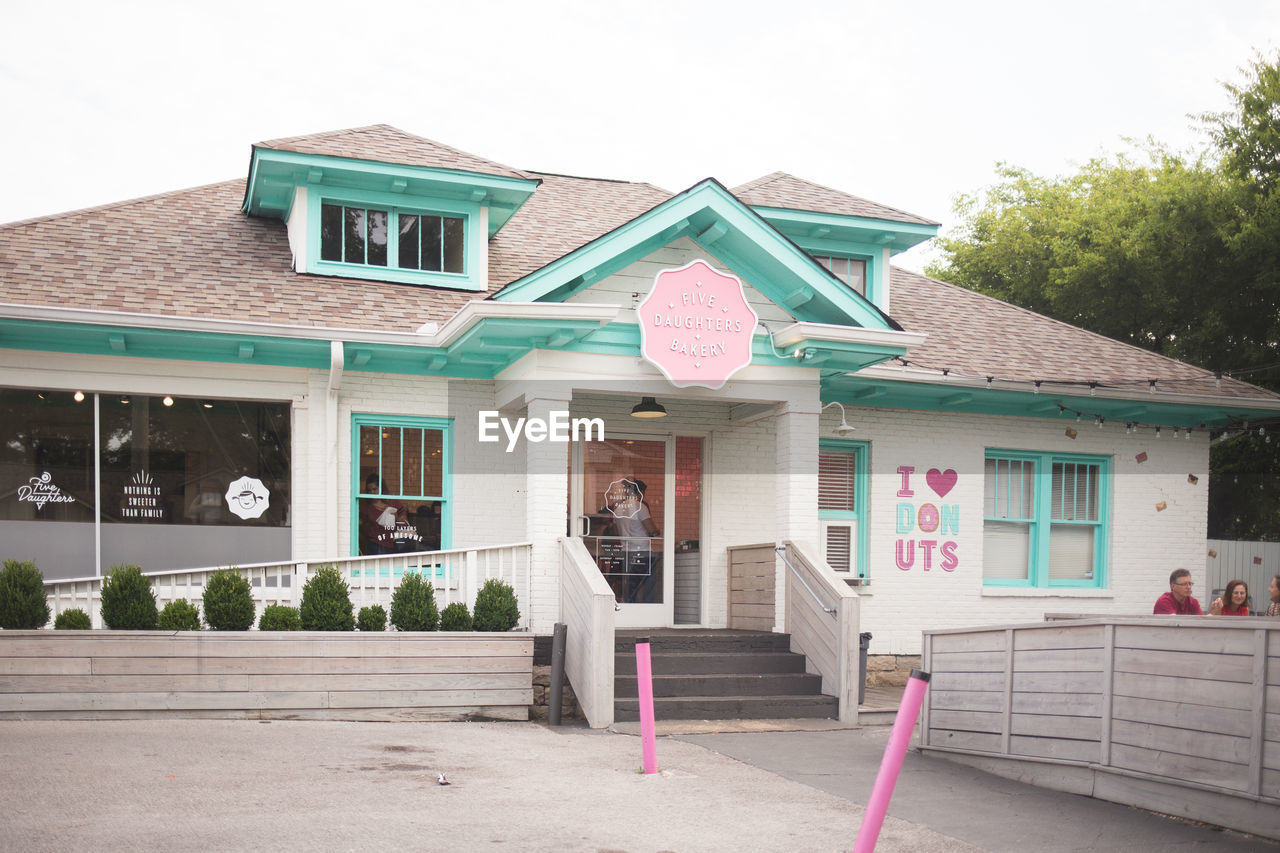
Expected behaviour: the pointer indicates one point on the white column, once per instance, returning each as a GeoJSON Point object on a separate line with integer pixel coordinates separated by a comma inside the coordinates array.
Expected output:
{"type": "Point", "coordinates": [796, 482]}
{"type": "Point", "coordinates": [546, 515]}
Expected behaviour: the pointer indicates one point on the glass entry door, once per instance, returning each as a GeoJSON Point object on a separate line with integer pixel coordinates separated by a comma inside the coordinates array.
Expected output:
{"type": "Point", "coordinates": [623, 507]}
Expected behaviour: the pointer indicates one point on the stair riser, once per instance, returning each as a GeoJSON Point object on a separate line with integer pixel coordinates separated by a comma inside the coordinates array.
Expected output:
{"type": "Point", "coordinates": [738, 708]}
{"type": "Point", "coordinates": [708, 643]}
{"type": "Point", "coordinates": [734, 685]}
{"type": "Point", "coordinates": [691, 664]}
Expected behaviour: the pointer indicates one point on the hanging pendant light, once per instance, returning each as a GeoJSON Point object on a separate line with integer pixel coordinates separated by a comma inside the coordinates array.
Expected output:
{"type": "Point", "coordinates": [648, 407]}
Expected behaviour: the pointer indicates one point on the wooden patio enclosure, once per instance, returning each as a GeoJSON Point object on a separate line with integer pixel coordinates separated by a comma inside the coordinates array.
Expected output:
{"type": "Point", "coordinates": [1178, 715]}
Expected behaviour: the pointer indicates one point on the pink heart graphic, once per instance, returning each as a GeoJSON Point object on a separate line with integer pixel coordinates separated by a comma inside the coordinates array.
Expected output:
{"type": "Point", "coordinates": [941, 481]}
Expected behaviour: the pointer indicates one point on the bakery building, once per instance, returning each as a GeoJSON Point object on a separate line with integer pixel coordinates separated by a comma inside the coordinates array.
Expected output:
{"type": "Point", "coordinates": [375, 343]}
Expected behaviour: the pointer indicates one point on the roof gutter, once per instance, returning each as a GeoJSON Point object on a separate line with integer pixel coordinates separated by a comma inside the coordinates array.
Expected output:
{"type": "Point", "coordinates": [428, 335]}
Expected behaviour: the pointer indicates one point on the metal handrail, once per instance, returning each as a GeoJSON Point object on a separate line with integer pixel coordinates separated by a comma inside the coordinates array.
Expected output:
{"type": "Point", "coordinates": [782, 552]}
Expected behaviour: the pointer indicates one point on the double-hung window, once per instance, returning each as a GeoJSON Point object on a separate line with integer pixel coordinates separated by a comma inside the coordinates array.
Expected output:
{"type": "Point", "coordinates": [842, 504]}
{"type": "Point", "coordinates": [402, 484]}
{"type": "Point", "coordinates": [1044, 519]}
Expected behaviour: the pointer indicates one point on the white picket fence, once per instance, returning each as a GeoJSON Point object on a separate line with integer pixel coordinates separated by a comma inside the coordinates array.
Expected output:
{"type": "Point", "coordinates": [457, 575]}
{"type": "Point", "coordinates": [1255, 563]}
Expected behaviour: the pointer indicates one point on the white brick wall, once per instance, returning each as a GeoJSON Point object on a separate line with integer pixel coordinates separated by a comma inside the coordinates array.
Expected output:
{"type": "Point", "coordinates": [741, 498]}
{"type": "Point", "coordinates": [1144, 545]}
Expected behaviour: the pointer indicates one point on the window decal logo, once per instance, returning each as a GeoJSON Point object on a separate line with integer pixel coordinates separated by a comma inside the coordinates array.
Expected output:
{"type": "Point", "coordinates": [41, 490]}
{"type": "Point", "coordinates": [141, 498]}
{"type": "Point", "coordinates": [247, 497]}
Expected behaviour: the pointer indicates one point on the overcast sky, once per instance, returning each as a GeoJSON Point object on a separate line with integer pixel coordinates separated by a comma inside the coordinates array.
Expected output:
{"type": "Point", "coordinates": [906, 103]}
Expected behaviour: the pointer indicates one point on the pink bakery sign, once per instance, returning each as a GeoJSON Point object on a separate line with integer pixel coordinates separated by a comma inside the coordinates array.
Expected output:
{"type": "Point", "coordinates": [696, 325]}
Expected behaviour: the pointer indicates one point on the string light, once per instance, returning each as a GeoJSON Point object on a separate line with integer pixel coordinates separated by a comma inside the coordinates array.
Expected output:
{"type": "Point", "coordinates": [1131, 427]}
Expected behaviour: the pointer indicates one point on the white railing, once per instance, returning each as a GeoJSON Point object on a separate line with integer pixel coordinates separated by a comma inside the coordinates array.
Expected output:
{"type": "Point", "coordinates": [587, 607]}
{"type": "Point", "coordinates": [822, 618]}
{"type": "Point", "coordinates": [457, 575]}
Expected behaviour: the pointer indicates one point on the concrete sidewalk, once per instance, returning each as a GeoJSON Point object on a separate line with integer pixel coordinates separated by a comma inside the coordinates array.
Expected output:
{"type": "Point", "coordinates": [217, 785]}
{"type": "Point", "coordinates": [970, 805]}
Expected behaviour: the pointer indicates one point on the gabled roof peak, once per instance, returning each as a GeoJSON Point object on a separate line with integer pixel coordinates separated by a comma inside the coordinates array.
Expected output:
{"type": "Point", "coordinates": [386, 144]}
{"type": "Point", "coordinates": [783, 190]}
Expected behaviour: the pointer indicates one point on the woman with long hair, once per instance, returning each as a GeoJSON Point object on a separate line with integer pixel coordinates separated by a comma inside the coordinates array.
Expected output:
{"type": "Point", "coordinates": [1234, 601]}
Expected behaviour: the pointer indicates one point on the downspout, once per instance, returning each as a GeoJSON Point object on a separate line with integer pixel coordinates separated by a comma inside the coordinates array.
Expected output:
{"type": "Point", "coordinates": [337, 358]}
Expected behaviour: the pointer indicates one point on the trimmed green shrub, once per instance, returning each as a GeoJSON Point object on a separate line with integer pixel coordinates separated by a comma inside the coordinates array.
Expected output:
{"type": "Point", "coordinates": [372, 618]}
{"type": "Point", "coordinates": [326, 602]}
{"type": "Point", "coordinates": [128, 601]}
{"type": "Point", "coordinates": [74, 619]}
{"type": "Point", "coordinates": [496, 607]}
{"type": "Point", "coordinates": [455, 617]}
{"type": "Point", "coordinates": [413, 604]}
{"type": "Point", "coordinates": [180, 615]}
{"type": "Point", "coordinates": [23, 603]}
{"type": "Point", "coordinates": [280, 617]}
{"type": "Point", "coordinates": [228, 601]}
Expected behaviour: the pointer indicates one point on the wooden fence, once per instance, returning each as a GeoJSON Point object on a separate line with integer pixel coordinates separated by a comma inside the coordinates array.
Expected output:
{"type": "Point", "coordinates": [1177, 715]}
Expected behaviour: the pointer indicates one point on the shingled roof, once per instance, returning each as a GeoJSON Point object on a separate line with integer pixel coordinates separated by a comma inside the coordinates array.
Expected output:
{"type": "Point", "coordinates": [791, 193]}
{"type": "Point", "coordinates": [977, 335]}
{"type": "Point", "coordinates": [383, 143]}
{"type": "Point", "coordinates": [194, 254]}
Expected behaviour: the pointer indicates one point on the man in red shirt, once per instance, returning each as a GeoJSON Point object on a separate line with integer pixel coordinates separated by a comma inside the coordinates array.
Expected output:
{"type": "Point", "coordinates": [1178, 600]}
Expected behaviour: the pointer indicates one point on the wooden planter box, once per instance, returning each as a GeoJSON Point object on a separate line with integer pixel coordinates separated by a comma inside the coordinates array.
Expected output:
{"type": "Point", "coordinates": [286, 675]}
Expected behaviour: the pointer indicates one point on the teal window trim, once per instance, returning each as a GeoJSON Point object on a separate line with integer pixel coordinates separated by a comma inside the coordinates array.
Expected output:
{"type": "Point", "coordinates": [445, 426]}
{"type": "Point", "coordinates": [861, 451]}
{"type": "Point", "coordinates": [870, 255]}
{"type": "Point", "coordinates": [470, 278]}
{"type": "Point", "coordinates": [1041, 521]}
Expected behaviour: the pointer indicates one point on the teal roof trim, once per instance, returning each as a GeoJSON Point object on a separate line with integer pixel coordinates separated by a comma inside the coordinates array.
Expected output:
{"type": "Point", "coordinates": [490, 345]}
{"type": "Point", "coordinates": [712, 217]}
{"type": "Point", "coordinates": [841, 234]}
{"type": "Point", "coordinates": [273, 175]}
{"type": "Point", "coordinates": [920, 396]}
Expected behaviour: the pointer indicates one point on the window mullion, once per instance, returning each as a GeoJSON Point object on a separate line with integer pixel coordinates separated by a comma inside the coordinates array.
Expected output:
{"type": "Point", "coordinates": [1041, 524]}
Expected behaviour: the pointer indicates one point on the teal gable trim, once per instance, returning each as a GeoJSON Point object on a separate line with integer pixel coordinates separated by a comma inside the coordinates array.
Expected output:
{"type": "Point", "coordinates": [713, 218]}
{"type": "Point", "coordinates": [273, 175]}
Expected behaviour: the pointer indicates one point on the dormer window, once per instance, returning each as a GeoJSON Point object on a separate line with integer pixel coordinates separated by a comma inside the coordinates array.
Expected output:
{"type": "Point", "coordinates": [399, 239]}
{"type": "Point", "coordinates": [852, 271]}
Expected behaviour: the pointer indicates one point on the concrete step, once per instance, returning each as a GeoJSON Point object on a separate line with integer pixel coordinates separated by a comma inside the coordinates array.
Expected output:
{"type": "Point", "coordinates": [712, 663]}
{"type": "Point", "coordinates": [731, 708]}
{"type": "Point", "coordinates": [738, 684]}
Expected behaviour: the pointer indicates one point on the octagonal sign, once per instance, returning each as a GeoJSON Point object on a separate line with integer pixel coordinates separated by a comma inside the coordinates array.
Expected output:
{"type": "Point", "coordinates": [696, 325]}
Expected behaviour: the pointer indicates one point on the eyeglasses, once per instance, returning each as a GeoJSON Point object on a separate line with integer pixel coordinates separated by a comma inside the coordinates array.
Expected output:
{"type": "Point", "coordinates": [1185, 583]}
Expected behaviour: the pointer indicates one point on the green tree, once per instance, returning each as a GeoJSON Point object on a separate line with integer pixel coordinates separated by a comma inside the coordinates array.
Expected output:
{"type": "Point", "coordinates": [1179, 254]}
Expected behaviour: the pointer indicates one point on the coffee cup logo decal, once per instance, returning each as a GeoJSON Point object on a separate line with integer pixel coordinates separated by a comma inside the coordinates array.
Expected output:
{"type": "Point", "coordinates": [248, 498]}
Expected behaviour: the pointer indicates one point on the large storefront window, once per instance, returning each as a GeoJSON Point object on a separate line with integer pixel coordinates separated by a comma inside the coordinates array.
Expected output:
{"type": "Point", "coordinates": [402, 484]}
{"type": "Point", "coordinates": [157, 484]}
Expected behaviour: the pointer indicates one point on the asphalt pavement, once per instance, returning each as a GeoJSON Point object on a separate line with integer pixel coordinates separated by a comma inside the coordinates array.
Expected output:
{"type": "Point", "coordinates": [215, 785]}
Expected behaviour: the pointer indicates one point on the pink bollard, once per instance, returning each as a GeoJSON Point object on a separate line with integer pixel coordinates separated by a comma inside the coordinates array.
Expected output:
{"type": "Point", "coordinates": [644, 678]}
{"type": "Point", "coordinates": [895, 751]}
